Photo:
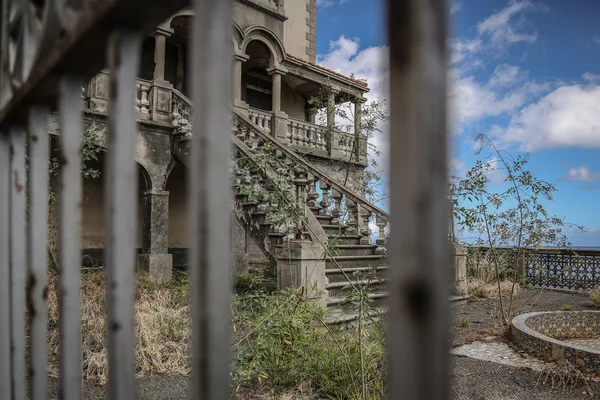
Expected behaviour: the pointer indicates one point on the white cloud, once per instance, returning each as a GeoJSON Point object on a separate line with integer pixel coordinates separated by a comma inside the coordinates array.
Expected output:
{"type": "Point", "coordinates": [504, 93]}
{"type": "Point", "coordinates": [569, 116]}
{"type": "Point", "coordinates": [582, 174]}
{"type": "Point", "coordinates": [495, 33]}
{"type": "Point", "coordinates": [497, 27]}
{"type": "Point", "coordinates": [590, 77]}
{"type": "Point", "coordinates": [455, 6]}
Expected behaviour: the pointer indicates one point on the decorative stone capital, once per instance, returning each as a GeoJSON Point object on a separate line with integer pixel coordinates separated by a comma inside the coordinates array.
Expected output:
{"type": "Point", "coordinates": [277, 70]}
{"type": "Point", "coordinates": [163, 31]}
{"type": "Point", "coordinates": [241, 57]}
{"type": "Point", "coordinates": [156, 192]}
{"type": "Point", "coordinates": [358, 100]}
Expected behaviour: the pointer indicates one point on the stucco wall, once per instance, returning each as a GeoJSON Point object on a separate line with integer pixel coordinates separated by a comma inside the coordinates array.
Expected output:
{"type": "Point", "coordinates": [338, 171]}
{"type": "Point", "coordinates": [295, 40]}
{"type": "Point", "coordinates": [292, 103]}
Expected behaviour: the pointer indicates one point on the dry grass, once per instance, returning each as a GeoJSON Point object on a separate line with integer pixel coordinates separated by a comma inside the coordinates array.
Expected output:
{"type": "Point", "coordinates": [162, 327]}
{"type": "Point", "coordinates": [595, 297]}
{"type": "Point", "coordinates": [490, 290]}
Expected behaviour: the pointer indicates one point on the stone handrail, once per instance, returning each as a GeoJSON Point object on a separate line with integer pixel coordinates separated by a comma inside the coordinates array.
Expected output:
{"type": "Point", "coordinates": [360, 209]}
{"type": "Point", "coordinates": [306, 135]}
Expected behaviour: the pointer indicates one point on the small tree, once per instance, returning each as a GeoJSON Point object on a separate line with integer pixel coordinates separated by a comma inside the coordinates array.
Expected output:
{"type": "Point", "coordinates": [500, 203]}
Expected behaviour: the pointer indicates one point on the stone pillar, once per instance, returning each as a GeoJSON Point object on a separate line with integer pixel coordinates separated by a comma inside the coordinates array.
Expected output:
{"type": "Point", "coordinates": [460, 271]}
{"type": "Point", "coordinates": [358, 102]}
{"type": "Point", "coordinates": [238, 103]}
{"type": "Point", "coordinates": [155, 236]}
{"type": "Point", "coordinates": [280, 118]}
{"type": "Point", "coordinates": [332, 139]}
{"type": "Point", "coordinates": [276, 74]}
{"type": "Point", "coordinates": [311, 115]}
{"type": "Point", "coordinates": [160, 42]}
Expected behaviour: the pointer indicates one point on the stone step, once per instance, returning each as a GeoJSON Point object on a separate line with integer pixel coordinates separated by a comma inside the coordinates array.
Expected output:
{"type": "Point", "coordinates": [338, 316]}
{"type": "Point", "coordinates": [356, 249]}
{"type": "Point", "coordinates": [336, 275]}
{"type": "Point", "coordinates": [334, 229]}
{"type": "Point", "coordinates": [337, 289]}
{"type": "Point", "coordinates": [324, 219]}
{"type": "Point", "coordinates": [379, 299]}
{"type": "Point", "coordinates": [356, 261]}
{"type": "Point", "coordinates": [346, 240]}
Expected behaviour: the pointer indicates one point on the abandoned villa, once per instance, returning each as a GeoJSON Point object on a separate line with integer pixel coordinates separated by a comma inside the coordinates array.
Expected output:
{"type": "Point", "coordinates": [274, 78]}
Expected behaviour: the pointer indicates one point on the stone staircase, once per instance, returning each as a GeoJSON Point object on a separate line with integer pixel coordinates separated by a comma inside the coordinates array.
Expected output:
{"type": "Point", "coordinates": [321, 241]}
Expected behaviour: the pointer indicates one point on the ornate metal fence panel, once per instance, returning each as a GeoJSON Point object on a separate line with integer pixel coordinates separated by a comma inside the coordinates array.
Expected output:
{"type": "Point", "coordinates": [577, 269]}
{"type": "Point", "coordinates": [50, 49]}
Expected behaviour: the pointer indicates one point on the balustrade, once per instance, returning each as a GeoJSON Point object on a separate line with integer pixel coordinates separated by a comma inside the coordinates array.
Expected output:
{"type": "Point", "coordinates": [260, 119]}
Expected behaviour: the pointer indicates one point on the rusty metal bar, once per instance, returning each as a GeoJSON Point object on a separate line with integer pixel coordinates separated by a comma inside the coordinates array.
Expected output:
{"type": "Point", "coordinates": [121, 212]}
{"type": "Point", "coordinates": [417, 318]}
{"type": "Point", "coordinates": [18, 258]}
{"type": "Point", "coordinates": [5, 368]}
{"type": "Point", "coordinates": [70, 218]}
{"type": "Point", "coordinates": [210, 191]}
{"type": "Point", "coordinates": [37, 281]}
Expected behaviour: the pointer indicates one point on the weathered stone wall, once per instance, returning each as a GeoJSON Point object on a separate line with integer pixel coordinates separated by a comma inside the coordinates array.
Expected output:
{"type": "Point", "coordinates": [245, 16]}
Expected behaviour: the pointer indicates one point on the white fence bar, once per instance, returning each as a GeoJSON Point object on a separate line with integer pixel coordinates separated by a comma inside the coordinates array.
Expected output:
{"type": "Point", "coordinates": [18, 258]}
{"type": "Point", "coordinates": [210, 191]}
{"type": "Point", "coordinates": [37, 229]}
{"type": "Point", "coordinates": [417, 336]}
{"type": "Point", "coordinates": [121, 213]}
{"type": "Point", "coordinates": [5, 367]}
{"type": "Point", "coordinates": [70, 217]}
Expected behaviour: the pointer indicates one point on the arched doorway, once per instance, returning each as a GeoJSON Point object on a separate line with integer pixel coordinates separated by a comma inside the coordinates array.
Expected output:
{"type": "Point", "coordinates": [257, 84]}
{"type": "Point", "coordinates": [177, 185]}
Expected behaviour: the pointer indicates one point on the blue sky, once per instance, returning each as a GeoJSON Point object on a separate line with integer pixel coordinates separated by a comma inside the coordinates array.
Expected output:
{"type": "Point", "coordinates": [526, 73]}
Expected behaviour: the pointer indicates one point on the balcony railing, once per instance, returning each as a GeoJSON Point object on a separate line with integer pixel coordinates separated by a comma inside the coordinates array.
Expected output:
{"type": "Point", "coordinates": [306, 136]}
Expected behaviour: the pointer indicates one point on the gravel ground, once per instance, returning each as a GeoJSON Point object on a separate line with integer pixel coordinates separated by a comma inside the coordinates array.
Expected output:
{"type": "Point", "coordinates": [470, 379]}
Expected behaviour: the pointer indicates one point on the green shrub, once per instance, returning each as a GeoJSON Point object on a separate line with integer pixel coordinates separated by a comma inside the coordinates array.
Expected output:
{"type": "Point", "coordinates": [283, 345]}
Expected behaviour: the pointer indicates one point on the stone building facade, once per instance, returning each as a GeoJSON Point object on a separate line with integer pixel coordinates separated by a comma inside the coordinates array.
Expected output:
{"type": "Point", "coordinates": [274, 76]}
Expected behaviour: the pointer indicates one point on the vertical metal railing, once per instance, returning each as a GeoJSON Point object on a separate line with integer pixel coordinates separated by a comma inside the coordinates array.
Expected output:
{"type": "Point", "coordinates": [418, 355]}
{"type": "Point", "coordinates": [418, 248]}
{"type": "Point", "coordinates": [210, 205]}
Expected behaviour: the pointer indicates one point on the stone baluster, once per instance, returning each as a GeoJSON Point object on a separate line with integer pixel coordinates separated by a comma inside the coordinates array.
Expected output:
{"type": "Point", "coordinates": [268, 123]}
{"type": "Point", "coordinates": [312, 194]}
{"type": "Point", "coordinates": [365, 231]}
{"type": "Point", "coordinates": [144, 103]}
{"type": "Point", "coordinates": [381, 240]}
{"type": "Point", "coordinates": [325, 201]}
{"type": "Point", "coordinates": [260, 120]}
{"type": "Point", "coordinates": [137, 96]}
{"type": "Point", "coordinates": [288, 134]}
{"type": "Point", "coordinates": [352, 217]}
{"type": "Point", "coordinates": [337, 205]}
{"type": "Point", "coordinates": [301, 182]}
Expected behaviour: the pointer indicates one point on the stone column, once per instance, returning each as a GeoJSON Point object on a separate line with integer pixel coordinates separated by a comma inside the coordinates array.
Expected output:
{"type": "Point", "coordinates": [332, 140]}
{"type": "Point", "coordinates": [460, 271]}
{"type": "Point", "coordinates": [280, 118]}
{"type": "Point", "coordinates": [276, 89]}
{"type": "Point", "coordinates": [358, 102]}
{"type": "Point", "coordinates": [311, 115]}
{"type": "Point", "coordinates": [160, 43]}
{"type": "Point", "coordinates": [238, 103]}
{"type": "Point", "coordinates": [155, 236]}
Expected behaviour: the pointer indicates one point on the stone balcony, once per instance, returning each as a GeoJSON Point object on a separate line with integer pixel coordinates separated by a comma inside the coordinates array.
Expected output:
{"type": "Point", "coordinates": [162, 104]}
